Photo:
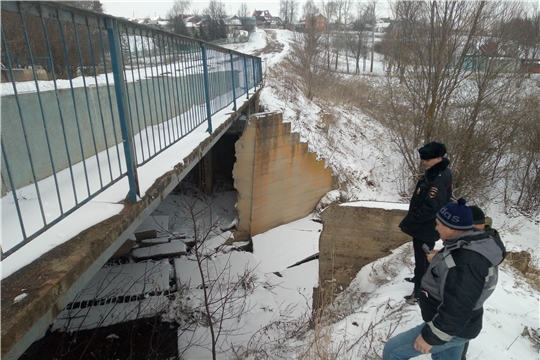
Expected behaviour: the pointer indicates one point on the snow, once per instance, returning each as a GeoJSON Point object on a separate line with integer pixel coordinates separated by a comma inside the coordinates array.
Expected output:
{"type": "Point", "coordinates": [279, 298]}
{"type": "Point", "coordinates": [378, 205]}
{"type": "Point", "coordinates": [373, 306]}
{"type": "Point", "coordinates": [287, 243]}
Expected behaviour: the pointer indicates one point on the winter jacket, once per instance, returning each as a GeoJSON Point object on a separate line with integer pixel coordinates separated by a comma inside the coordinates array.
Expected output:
{"type": "Point", "coordinates": [459, 279]}
{"type": "Point", "coordinates": [433, 191]}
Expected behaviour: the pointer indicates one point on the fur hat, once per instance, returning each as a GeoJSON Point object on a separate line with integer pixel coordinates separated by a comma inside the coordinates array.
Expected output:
{"type": "Point", "coordinates": [478, 215]}
{"type": "Point", "coordinates": [432, 150]}
{"type": "Point", "coordinates": [457, 216]}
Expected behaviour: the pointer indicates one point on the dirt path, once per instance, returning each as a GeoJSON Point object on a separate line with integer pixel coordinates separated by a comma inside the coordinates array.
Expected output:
{"type": "Point", "coordinates": [273, 46]}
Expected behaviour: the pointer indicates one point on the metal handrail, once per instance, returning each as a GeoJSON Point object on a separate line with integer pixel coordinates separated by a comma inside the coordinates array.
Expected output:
{"type": "Point", "coordinates": [118, 94]}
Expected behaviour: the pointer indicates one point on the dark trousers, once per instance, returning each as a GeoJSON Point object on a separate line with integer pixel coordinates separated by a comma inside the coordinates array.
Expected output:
{"type": "Point", "coordinates": [420, 263]}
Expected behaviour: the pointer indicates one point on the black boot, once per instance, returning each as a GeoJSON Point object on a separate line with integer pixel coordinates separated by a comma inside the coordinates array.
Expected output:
{"type": "Point", "coordinates": [411, 299]}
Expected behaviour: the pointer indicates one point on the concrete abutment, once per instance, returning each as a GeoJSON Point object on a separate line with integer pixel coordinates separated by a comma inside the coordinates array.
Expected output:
{"type": "Point", "coordinates": [277, 178]}
{"type": "Point", "coordinates": [352, 237]}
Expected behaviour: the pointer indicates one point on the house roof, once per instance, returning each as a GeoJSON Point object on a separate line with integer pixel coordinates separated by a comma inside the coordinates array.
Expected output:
{"type": "Point", "coordinates": [262, 15]}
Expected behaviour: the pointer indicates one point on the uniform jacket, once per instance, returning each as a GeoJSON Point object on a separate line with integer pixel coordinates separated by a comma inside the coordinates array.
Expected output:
{"type": "Point", "coordinates": [459, 279]}
{"type": "Point", "coordinates": [432, 192]}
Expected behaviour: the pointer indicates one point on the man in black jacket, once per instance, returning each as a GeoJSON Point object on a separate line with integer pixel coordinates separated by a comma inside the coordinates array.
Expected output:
{"type": "Point", "coordinates": [432, 192]}
{"type": "Point", "coordinates": [479, 222]}
{"type": "Point", "coordinates": [461, 276]}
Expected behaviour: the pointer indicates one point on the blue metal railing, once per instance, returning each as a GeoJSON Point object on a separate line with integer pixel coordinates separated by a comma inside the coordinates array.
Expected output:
{"type": "Point", "coordinates": [118, 94]}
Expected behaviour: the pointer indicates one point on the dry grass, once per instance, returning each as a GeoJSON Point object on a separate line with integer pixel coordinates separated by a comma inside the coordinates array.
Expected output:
{"type": "Point", "coordinates": [321, 345]}
{"type": "Point", "coordinates": [523, 262]}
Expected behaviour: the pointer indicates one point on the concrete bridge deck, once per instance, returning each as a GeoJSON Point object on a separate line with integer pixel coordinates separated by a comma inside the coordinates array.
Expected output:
{"type": "Point", "coordinates": [52, 280]}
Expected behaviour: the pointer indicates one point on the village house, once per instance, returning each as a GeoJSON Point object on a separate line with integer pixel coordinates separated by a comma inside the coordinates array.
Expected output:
{"type": "Point", "coordinates": [319, 21]}
{"type": "Point", "coordinates": [263, 18]}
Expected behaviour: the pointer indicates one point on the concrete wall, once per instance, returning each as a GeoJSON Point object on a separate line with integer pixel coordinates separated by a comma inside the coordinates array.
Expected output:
{"type": "Point", "coordinates": [277, 178]}
{"type": "Point", "coordinates": [352, 237]}
{"type": "Point", "coordinates": [78, 113]}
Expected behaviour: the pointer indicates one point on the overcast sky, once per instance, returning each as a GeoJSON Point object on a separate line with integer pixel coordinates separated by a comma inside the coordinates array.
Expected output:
{"type": "Point", "coordinates": [139, 8]}
{"type": "Point", "coordinates": [135, 8]}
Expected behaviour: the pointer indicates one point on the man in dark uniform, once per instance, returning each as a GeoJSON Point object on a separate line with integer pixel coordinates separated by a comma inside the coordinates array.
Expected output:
{"type": "Point", "coordinates": [432, 192]}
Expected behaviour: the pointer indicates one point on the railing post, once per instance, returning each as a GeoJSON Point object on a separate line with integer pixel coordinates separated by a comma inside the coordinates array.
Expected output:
{"type": "Point", "coordinates": [246, 77]}
{"type": "Point", "coordinates": [125, 124]}
{"type": "Point", "coordinates": [206, 91]}
{"type": "Point", "coordinates": [232, 77]}
{"type": "Point", "coordinates": [259, 60]}
{"type": "Point", "coordinates": [254, 75]}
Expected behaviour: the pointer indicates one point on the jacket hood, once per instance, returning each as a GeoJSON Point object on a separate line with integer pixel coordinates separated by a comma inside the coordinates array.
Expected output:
{"type": "Point", "coordinates": [480, 242]}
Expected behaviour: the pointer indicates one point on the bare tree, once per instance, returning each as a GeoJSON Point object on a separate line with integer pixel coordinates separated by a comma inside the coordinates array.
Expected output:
{"type": "Point", "coordinates": [307, 57]}
{"type": "Point", "coordinates": [89, 5]}
{"type": "Point", "coordinates": [523, 183]}
{"type": "Point", "coordinates": [61, 47]}
{"type": "Point", "coordinates": [371, 15]}
{"type": "Point", "coordinates": [454, 78]}
{"type": "Point", "coordinates": [287, 11]}
{"type": "Point", "coordinates": [358, 42]}
{"type": "Point", "coordinates": [339, 43]}
{"type": "Point", "coordinates": [284, 11]}
{"type": "Point", "coordinates": [243, 14]}
{"type": "Point", "coordinates": [243, 11]}
{"type": "Point", "coordinates": [309, 9]}
{"type": "Point", "coordinates": [211, 306]}
{"type": "Point", "coordinates": [328, 10]}
{"type": "Point", "coordinates": [214, 18]}
{"type": "Point", "coordinates": [176, 17]}
{"type": "Point", "coordinates": [347, 19]}
{"type": "Point", "coordinates": [293, 10]}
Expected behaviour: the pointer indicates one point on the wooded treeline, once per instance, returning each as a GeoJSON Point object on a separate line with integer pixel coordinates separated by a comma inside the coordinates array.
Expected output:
{"type": "Point", "coordinates": [457, 72]}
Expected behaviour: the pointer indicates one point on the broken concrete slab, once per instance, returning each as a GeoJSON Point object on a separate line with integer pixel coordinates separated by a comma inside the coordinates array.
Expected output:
{"type": "Point", "coordinates": [153, 223]}
{"type": "Point", "coordinates": [109, 314]}
{"type": "Point", "coordinates": [154, 241]}
{"type": "Point", "coordinates": [126, 280]}
{"type": "Point", "coordinates": [171, 249]}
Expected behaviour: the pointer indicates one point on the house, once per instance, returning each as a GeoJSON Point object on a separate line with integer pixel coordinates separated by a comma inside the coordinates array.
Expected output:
{"type": "Point", "coordinates": [193, 23]}
{"type": "Point", "coordinates": [382, 24]}
{"type": "Point", "coordinates": [319, 21]}
{"type": "Point", "coordinates": [233, 22]}
{"type": "Point", "coordinates": [276, 20]}
{"type": "Point", "coordinates": [263, 17]}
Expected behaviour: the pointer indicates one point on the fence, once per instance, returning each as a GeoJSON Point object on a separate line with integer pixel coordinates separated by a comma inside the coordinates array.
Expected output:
{"type": "Point", "coordinates": [120, 93]}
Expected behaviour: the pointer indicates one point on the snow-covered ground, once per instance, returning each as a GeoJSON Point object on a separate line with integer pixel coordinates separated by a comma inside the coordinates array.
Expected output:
{"type": "Point", "coordinates": [373, 307]}
{"type": "Point", "coordinates": [267, 313]}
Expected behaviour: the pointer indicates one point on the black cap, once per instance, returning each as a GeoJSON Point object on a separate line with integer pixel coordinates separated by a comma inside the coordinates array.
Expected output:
{"type": "Point", "coordinates": [478, 215]}
{"type": "Point", "coordinates": [432, 150]}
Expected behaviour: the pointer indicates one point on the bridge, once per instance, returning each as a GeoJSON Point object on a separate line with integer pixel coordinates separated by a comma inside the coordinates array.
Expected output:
{"type": "Point", "coordinates": [101, 119]}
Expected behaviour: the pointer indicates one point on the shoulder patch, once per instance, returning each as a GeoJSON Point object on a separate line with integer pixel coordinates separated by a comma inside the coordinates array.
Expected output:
{"type": "Point", "coordinates": [433, 192]}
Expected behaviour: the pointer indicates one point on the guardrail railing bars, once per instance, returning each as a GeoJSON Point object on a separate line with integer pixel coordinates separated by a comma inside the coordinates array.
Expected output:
{"type": "Point", "coordinates": [87, 98]}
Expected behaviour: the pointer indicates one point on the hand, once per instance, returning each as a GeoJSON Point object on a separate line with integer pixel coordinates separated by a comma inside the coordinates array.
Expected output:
{"type": "Point", "coordinates": [421, 345]}
{"type": "Point", "coordinates": [430, 256]}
